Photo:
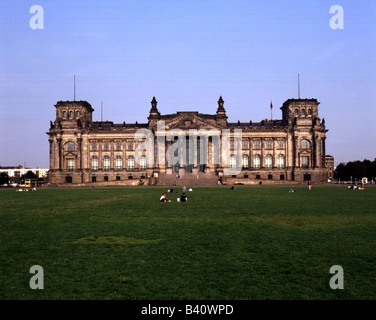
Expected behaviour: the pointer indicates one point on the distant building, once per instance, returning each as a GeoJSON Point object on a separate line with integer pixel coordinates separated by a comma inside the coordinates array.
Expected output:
{"type": "Point", "coordinates": [288, 150]}
{"type": "Point", "coordinates": [16, 172]}
{"type": "Point", "coordinates": [329, 163]}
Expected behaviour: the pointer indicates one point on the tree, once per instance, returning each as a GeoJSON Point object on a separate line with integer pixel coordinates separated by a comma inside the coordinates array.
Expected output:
{"type": "Point", "coordinates": [356, 170]}
{"type": "Point", "coordinates": [4, 178]}
{"type": "Point", "coordinates": [28, 175]}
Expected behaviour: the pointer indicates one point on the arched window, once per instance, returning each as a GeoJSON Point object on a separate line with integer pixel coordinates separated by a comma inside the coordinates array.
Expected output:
{"type": "Point", "coordinates": [71, 114]}
{"type": "Point", "coordinates": [281, 161]}
{"type": "Point", "coordinates": [143, 163]}
{"type": "Point", "coordinates": [233, 161]}
{"type": "Point", "coordinates": [303, 112]}
{"type": "Point", "coordinates": [296, 112]}
{"type": "Point", "coordinates": [269, 162]}
{"type": "Point", "coordinates": [309, 112]}
{"type": "Point", "coordinates": [78, 114]}
{"type": "Point", "coordinates": [106, 163]}
{"type": "Point", "coordinates": [130, 163]}
{"type": "Point", "coordinates": [304, 144]}
{"type": "Point", "coordinates": [119, 163]}
{"type": "Point", "coordinates": [94, 163]}
{"type": "Point", "coordinates": [70, 146]}
{"type": "Point", "coordinates": [245, 161]}
{"type": "Point", "coordinates": [257, 161]}
{"type": "Point", "coordinates": [64, 114]}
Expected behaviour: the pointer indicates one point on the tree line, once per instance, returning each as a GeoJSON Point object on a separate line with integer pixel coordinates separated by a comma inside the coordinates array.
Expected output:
{"type": "Point", "coordinates": [4, 178]}
{"type": "Point", "coordinates": [356, 170]}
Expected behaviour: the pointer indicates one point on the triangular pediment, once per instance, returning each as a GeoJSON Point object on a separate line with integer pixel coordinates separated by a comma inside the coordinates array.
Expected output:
{"type": "Point", "coordinates": [190, 120]}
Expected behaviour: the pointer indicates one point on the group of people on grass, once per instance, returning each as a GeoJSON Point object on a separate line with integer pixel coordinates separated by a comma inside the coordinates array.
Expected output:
{"type": "Point", "coordinates": [355, 187]}
{"type": "Point", "coordinates": [32, 189]}
{"type": "Point", "coordinates": [182, 198]}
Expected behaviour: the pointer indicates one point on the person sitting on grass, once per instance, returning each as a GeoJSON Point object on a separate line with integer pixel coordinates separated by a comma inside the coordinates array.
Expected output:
{"type": "Point", "coordinates": [183, 198]}
{"type": "Point", "coordinates": [163, 198]}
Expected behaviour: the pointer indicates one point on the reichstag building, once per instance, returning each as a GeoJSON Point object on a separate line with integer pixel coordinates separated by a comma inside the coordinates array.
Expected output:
{"type": "Point", "coordinates": [187, 148]}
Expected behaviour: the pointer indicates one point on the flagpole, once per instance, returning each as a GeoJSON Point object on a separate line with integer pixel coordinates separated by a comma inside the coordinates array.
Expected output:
{"type": "Point", "coordinates": [298, 85]}
{"type": "Point", "coordinates": [271, 110]}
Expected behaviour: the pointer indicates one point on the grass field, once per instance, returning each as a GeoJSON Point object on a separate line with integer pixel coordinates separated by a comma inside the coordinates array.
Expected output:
{"type": "Point", "coordinates": [257, 242]}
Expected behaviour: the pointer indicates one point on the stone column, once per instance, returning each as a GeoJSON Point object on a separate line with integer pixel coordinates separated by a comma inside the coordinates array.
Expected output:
{"type": "Point", "coordinates": [51, 153]}
{"type": "Point", "coordinates": [60, 154]}
{"type": "Point", "coordinates": [124, 155]}
{"type": "Point", "coordinates": [323, 152]}
{"type": "Point", "coordinates": [195, 151]}
{"type": "Point", "coordinates": [209, 159]}
{"type": "Point", "coordinates": [317, 151]}
{"type": "Point", "coordinates": [274, 162]}
{"type": "Point", "coordinates": [79, 153]}
{"type": "Point", "coordinates": [262, 164]}
{"type": "Point", "coordinates": [100, 160]}
{"type": "Point", "coordinates": [296, 154]}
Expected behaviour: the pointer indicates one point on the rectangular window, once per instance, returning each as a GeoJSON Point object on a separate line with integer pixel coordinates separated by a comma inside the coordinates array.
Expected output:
{"type": "Point", "coordinates": [282, 177]}
{"type": "Point", "coordinates": [118, 147]}
{"type": "Point", "coordinates": [105, 178]}
{"type": "Point", "coordinates": [281, 144]}
{"type": "Point", "coordinates": [307, 177]}
{"type": "Point", "coordinates": [232, 145]}
{"type": "Point", "coordinates": [245, 145]}
{"type": "Point", "coordinates": [269, 145]}
{"type": "Point", "coordinates": [70, 164]}
{"type": "Point", "coordinates": [304, 162]}
{"type": "Point", "coordinates": [257, 144]}
{"type": "Point", "coordinates": [117, 178]}
{"type": "Point", "coordinates": [93, 179]}
{"type": "Point", "coordinates": [106, 147]}
{"type": "Point", "coordinates": [94, 147]}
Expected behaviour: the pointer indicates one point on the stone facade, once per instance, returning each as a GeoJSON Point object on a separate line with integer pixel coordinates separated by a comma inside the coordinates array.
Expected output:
{"type": "Point", "coordinates": [87, 152]}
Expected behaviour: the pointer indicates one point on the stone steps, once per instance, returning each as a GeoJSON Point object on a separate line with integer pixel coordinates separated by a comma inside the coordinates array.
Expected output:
{"type": "Point", "coordinates": [187, 179]}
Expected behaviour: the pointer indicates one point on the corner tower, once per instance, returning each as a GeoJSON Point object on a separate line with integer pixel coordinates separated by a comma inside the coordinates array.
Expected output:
{"type": "Point", "coordinates": [72, 114]}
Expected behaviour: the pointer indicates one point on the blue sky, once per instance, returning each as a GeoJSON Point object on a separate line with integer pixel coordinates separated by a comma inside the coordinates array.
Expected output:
{"type": "Point", "coordinates": [187, 54]}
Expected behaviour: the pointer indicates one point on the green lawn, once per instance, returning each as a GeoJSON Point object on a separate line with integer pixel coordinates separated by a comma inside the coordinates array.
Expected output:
{"type": "Point", "coordinates": [258, 242]}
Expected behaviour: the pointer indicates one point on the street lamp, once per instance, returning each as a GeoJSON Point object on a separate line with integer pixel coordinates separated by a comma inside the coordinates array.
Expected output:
{"type": "Point", "coordinates": [364, 165]}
